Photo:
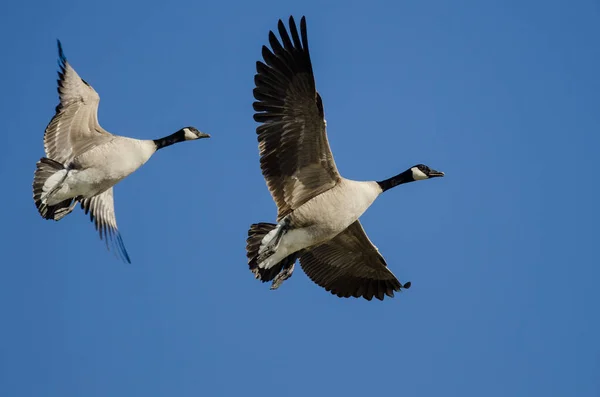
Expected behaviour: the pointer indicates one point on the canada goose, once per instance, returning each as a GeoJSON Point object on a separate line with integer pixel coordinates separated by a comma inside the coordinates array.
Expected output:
{"type": "Point", "coordinates": [318, 209]}
{"type": "Point", "coordinates": [84, 161]}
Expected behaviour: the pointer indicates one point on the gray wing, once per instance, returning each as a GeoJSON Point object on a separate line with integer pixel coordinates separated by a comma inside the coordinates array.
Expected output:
{"type": "Point", "coordinates": [296, 160]}
{"type": "Point", "coordinates": [74, 129]}
{"type": "Point", "coordinates": [102, 213]}
{"type": "Point", "coordinates": [350, 265]}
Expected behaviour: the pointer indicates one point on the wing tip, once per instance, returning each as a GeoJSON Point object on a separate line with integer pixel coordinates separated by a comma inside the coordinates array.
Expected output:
{"type": "Point", "coordinates": [293, 21]}
{"type": "Point", "coordinates": [377, 289]}
{"type": "Point", "coordinates": [122, 249]}
{"type": "Point", "coordinates": [304, 33]}
{"type": "Point", "coordinates": [62, 59]}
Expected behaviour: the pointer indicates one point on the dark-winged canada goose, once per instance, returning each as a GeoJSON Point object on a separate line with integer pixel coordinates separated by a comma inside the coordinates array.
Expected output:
{"type": "Point", "coordinates": [318, 209]}
{"type": "Point", "coordinates": [84, 161]}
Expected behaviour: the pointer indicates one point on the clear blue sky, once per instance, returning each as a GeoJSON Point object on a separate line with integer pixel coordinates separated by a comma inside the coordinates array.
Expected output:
{"type": "Point", "coordinates": [504, 96]}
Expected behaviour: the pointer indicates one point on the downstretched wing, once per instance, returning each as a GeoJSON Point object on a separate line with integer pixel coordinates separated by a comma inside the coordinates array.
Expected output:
{"type": "Point", "coordinates": [350, 265]}
{"type": "Point", "coordinates": [102, 213]}
{"type": "Point", "coordinates": [74, 129]}
{"type": "Point", "coordinates": [296, 160]}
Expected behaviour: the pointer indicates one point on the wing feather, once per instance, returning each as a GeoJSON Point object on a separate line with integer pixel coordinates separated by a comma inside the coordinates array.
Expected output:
{"type": "Point", "coordinates": [74, 129]}
{"type": "Point", "coordinates": [296, 160]}
{"type": "Point", "coordinates": [102, 213]}
{"type": "Point", "coordinates": [350, 265]}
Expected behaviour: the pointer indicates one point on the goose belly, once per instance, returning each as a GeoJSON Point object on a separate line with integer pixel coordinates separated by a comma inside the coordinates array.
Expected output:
{"type": "Point", "coordinates": [102, 167]}
{"type": "Point", "coordinates": [84, 183]}
{"type": "Point", "coordinates": [322, 218]}
{"type": "Point", "coordinates": [116, 159]}
{"type": "Point", "coordinates": [325, 216]}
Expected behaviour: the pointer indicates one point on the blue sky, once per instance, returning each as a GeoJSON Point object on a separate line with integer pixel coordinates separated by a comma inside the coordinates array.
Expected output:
{"type": "Point", "coordinates": [503, 96]}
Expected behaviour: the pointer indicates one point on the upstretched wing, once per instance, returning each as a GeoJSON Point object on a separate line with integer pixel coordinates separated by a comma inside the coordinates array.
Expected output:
{"type": "Point", "coordinates": [296, 160]}
{"type": "Point", "coordinates": [350, 265]}
{"type": "Point", "coordinates": [74, 129]}
{"type": "Point", "coordinates": [102, 213]}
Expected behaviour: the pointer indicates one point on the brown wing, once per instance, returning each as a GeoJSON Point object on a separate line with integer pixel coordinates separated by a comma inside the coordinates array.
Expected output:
{"type": "Point", "coordinates": [74, 128]}
{"type": "Point", "coordinates": [350, 265]}
{"type": "Point", "coordinates": [102, 213]}
{"type": "Point", "coordinates": [296, 160]}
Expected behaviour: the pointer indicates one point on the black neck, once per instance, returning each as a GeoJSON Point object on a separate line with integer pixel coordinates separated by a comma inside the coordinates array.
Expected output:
{"type": "Point", "coordinates": [394, 181]}
{"type": "Point", "coordinates": [175, 137]}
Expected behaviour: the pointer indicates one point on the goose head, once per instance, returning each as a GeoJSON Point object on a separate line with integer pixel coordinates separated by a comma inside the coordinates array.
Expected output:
{"type": "Point", "coordinates": [418, 172]}
{"type": "Point", "coordinates": [191, 133]}
{"type": "Point", "coordinates": [421, 171]}
{"type": "Point", "coordinates": [184, 134]}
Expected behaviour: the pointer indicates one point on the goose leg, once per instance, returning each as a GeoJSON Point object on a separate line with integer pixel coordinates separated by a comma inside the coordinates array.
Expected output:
{"type": "Point", "coordinates": [285, 273]}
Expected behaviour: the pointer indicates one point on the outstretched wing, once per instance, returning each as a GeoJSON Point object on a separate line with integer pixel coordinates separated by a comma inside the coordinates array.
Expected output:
{"type": "Point", "coordinates": [102, 213]}
{"type": "Point", "coordinates": [350, 265]}
{"type": "Point", "coordinates": [296, 160]}
{"type": "Point", "coordinates": [74, 129]}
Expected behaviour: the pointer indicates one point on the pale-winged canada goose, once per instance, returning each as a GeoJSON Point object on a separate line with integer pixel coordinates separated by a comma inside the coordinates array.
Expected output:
{"type": "Point", "coordinates": [318, 209]}
{"type": "Point", "coordinates": [84, 161]}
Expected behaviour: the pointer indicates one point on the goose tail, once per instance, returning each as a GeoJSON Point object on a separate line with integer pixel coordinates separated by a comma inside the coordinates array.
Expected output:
{"type": "Point", "coordinates": [48, 177]}
{"type": "Point", "coordinates": [276, 273]}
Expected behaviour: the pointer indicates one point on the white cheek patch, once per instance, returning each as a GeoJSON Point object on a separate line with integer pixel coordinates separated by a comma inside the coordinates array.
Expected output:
{"type": "Point", "coordinates": [189, 135]}
{"type": "Point", "coordinates": [418, 175]}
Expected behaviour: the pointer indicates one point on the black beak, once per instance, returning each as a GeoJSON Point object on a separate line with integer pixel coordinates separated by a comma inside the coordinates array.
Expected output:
{"type": "Point", "coordinates": [434, 173]}
{"type": "Point", "coordinates": [203, 135]}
